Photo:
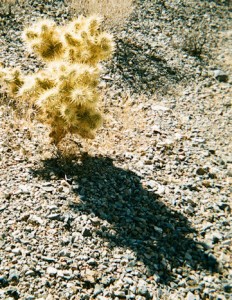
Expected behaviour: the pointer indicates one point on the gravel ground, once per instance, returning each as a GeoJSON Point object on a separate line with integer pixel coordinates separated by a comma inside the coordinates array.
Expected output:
{"type": "Point", "coordinates": [144, 210]}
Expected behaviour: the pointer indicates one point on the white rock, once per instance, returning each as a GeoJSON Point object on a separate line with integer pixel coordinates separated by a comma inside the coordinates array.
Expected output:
{"type": "Point", "coordinates": [190, 296]}
{"type": "Point", "coordinates": [35, 220]}
{"type": "Point", "coordinates": [159, 107]}
{"type": "Point", "coordinates": [52, 271]}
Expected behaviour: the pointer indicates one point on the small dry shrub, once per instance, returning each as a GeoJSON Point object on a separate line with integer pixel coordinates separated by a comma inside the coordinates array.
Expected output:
{"type": "Point", "coordinates": [115, 12]}
{"type": "Point", "coordinates": [197, 40]}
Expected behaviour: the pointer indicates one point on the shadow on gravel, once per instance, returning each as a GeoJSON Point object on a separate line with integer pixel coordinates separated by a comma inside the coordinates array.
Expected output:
{"type": "Point", "coordinates": [160, 237]}
{"type": "Point", "coordinates": [142, 69]}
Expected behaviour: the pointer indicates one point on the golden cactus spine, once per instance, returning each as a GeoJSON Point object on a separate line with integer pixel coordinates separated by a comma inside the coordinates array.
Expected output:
{"type": "Point", "coordinates": [65, 92]}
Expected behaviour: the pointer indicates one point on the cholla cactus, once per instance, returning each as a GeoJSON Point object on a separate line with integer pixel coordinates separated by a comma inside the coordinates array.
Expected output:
{"type": "Point", "coordinates": [65, 91]}
{"type": "Point", "coordinates": [80, 41]}
{"type": "Point", "coordinates": [12, 79]}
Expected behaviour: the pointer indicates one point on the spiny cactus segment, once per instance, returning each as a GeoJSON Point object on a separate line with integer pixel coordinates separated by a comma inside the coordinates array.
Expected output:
{"type": "Point", "coordinates": [80, 41]}
{"type": "Point", "coordinates": [12, 79]}
{"type": "Point", "coordinates": [45, 40]}
{"type": "Point", "coordinates": [65, 91]}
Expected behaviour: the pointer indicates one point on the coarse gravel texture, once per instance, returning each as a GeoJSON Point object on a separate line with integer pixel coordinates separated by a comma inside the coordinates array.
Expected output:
{"type": "Point", "coordinates": [144, 210]}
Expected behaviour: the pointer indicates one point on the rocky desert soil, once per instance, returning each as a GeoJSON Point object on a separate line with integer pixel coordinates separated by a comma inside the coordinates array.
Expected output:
{"type": "Point", "coordinates": [144, 210]}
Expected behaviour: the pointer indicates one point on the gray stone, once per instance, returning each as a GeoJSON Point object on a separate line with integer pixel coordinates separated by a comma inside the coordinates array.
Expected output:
{"type": "Point", "coordinates": [152, 183]}
{"type": "Point", "coordinates": [189, 209]}
{"type": "Point", "coordinates": [30, 297]}
{"type": "Point", "coordinates": [54, 217]}
{"type": "Point", "coordinates": [13, 277]}
{"type": "Point", "coordinates": [3, 207]}
{"type": "Point", "coordinates": [106, 281]}
{"type": "Point", "coordinates": [227, 288]}
{"type": "Point", "coordinates": [16, 251]}
{"type": "Point", "coordinates": [92, 262]}
{"type": "Point", "coordinates": [142, 288]}
{"type": "Point", "coordinates": [128, 280]}
{"type": "Point", "coordinates": [86, 232]}
{"type": "Point", "coordinates": [159, 108]}
{"type": "Point", "coordinates": [221, 76]}
{"type": "Point", "coordinates": [13, 292]}
{"type": "Point", "coordinates": [36, 220]}
{"type": "Point", "coordinates": [158, 229]}
{"type": "Point", "coordinates": [120, 294]}
{"type": "Point", "coordinates": [3, 282]}
{"type": "Point", "coordinates": [48, 258]}
{"type": "Point", "coordinates": [98, 289]}
{"type": "Point", "coordinates": [190, 296]}
{"type": "Point", "coordinates": [156, 278]}
{"type": "Point", "coordinates": [48, 189]}
{"type": "Point", "coordinates": [90, 275]}
{"type": "Point", "coordinates": [202, 171]}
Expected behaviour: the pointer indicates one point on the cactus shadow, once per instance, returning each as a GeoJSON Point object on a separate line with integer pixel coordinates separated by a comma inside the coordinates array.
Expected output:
{"type": "Point", "coordinates": [161, 238]}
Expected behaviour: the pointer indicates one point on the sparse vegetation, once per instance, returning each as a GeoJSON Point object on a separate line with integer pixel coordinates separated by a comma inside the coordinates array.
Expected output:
{"type": "Point", "coordinates": [65, 93]}
{"type": "Point", "coordinates": [115, 13]}
{"type": "Point", "coordinates": [197, 40]}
